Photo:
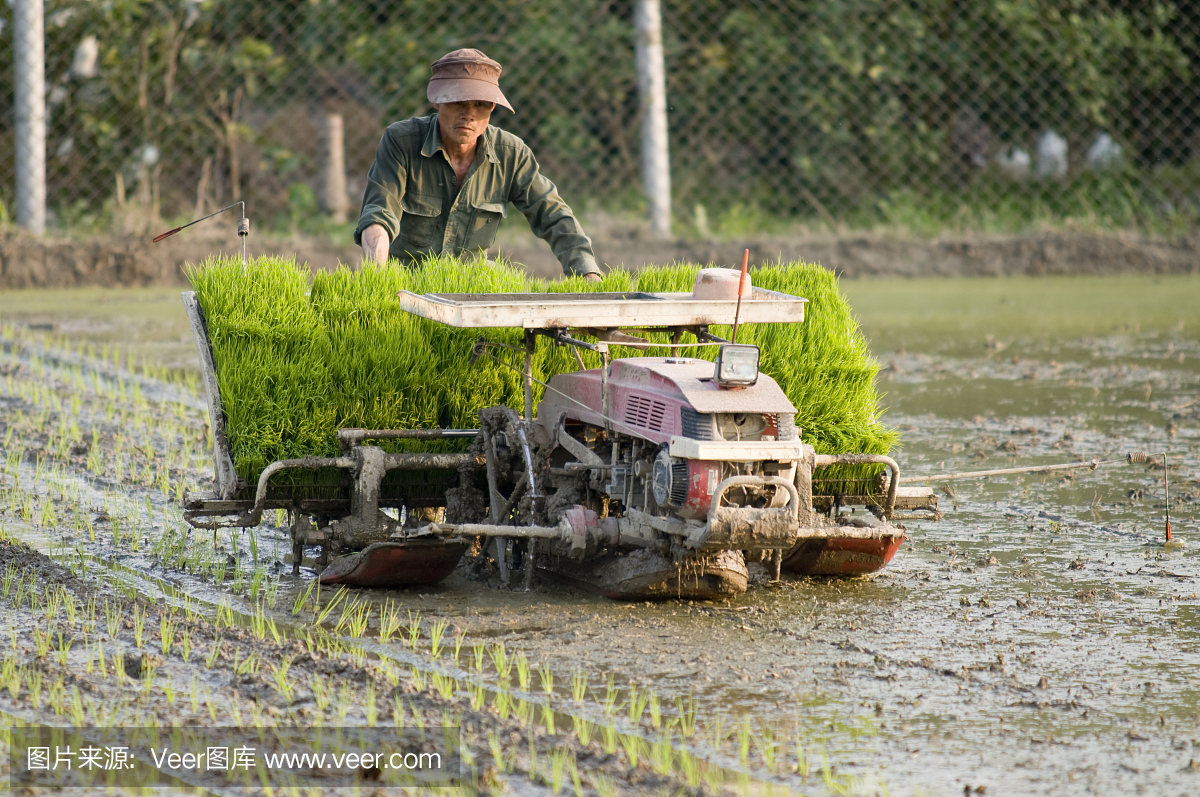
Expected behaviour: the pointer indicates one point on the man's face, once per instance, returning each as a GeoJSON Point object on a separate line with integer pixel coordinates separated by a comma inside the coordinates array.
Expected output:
{"type": "Point", "coordinates": [462, 123]}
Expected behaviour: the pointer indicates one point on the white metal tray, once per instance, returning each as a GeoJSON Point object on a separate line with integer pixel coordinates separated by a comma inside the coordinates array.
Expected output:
{"type": "Point", "coordinates": [598, 310]}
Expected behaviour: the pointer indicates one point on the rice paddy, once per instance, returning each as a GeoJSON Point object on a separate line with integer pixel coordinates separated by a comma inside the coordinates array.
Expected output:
{"type": "Point", "coordinates": [295, 363]}
{"type": "Point", "coordinates": [92, 643]}
{"type": "Point", "coordinates": [981, 646]}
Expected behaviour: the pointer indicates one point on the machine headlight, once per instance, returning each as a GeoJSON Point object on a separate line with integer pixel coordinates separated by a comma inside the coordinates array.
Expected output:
{"type": "Point", "coordinates": [737, 366]}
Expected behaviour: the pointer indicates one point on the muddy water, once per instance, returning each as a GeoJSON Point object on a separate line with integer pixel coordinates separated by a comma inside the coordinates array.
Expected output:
{"type": "Point", "coordinates": [1039, 639]}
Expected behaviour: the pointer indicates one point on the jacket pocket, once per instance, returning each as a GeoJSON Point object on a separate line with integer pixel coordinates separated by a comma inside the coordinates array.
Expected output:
{"type": "Point", "coordinates": [485, 221]}
{"type": "Point", "coordinates": [419, 222]}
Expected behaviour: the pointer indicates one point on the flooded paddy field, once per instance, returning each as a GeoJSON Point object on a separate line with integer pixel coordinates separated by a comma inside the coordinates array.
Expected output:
{"type": "Point", "coordinates": [1040, 639]}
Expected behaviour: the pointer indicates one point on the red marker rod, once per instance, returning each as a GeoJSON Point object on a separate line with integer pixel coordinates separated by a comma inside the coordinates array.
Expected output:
{"type": "Point", "coordinates": [741, 287]}
{"type": "Point", "coordinates": [243, 226]}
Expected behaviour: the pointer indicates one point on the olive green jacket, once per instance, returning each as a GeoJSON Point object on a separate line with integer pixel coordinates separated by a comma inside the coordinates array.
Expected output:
{"type": "Point", "coordinates": [413, 193]}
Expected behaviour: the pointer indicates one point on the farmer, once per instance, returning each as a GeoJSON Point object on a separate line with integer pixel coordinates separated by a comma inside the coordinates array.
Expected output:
{"type": "Point", "coordinates": [440, 183]}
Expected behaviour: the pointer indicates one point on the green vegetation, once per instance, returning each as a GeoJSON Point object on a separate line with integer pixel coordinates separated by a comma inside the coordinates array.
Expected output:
{"type": "Point", "coordinates": [878, 111]}
{"type": "Point", "coordinates": [294, 365]}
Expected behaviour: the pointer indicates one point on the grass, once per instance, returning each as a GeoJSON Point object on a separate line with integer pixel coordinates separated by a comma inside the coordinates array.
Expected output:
{"type": "Point", "coordinates": [296, 363]}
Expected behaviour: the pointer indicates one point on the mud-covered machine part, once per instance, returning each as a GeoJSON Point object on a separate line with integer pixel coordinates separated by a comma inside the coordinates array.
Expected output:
{"type": "Point", "coordinates": [640, 479]}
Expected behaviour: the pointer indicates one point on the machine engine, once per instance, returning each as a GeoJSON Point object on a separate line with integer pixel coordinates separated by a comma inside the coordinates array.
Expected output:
{"type": "Point", "coordinates": [652, 402]}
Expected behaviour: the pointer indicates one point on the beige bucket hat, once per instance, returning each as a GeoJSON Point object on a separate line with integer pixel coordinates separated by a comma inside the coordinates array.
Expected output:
{"type": "Point", "coordinates": [465, 75]}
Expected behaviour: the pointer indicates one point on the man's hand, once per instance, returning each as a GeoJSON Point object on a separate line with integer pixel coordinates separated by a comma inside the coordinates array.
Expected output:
{"type": "Point", "coordinates": [375, 243]}
{"type": "Point", "coordinates": [589, 277]}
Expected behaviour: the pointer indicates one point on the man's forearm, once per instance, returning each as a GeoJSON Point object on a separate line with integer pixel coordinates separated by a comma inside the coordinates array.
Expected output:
{"type": "Point", "coordinates": [375, 243]}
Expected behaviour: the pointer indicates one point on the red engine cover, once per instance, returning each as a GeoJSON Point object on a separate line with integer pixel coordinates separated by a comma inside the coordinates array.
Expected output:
{"type": "Point", "coordinates": [693, 482]}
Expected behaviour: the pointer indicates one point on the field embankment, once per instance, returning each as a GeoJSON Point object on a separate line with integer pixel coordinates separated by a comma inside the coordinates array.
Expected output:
{"type": "Point", "coordinates": [27, 262]}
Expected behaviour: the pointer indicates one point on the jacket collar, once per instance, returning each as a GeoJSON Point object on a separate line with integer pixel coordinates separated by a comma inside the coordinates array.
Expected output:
{"type": "Point", "coordinates": [433, 141]}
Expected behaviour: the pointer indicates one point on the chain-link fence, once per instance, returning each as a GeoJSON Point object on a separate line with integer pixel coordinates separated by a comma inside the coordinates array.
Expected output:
{"type": "Point", "coordinates": [990, 114]}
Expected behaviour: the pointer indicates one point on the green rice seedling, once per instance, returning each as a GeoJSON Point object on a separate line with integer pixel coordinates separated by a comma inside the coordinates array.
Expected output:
{"type": "Point", "coordinates": [444, 684]}
{"type": "Point", "coordinates": [605, 786]}
{"type": "Point", "coordinates": [716, 732]}
{"type": "Point", "coordinates": [767, 746]}
{"type": "Point", "coordinates": [354, 618]}
{"type": "Point", "coordinates": [166, 633]}
{"type": "Point", "coordinates": [168, 689]}
{"type": "Point", "coordinates": [41, 642]}
{"type": "Point", "coordinates": [637, 704]}
{"type": "Point", "coordinates": [662, 754]}
{"type": "Point", "coordinates": [609, 703]}
{"type": "Point", "coordinates": [743, 740]}
{"type": "Point", "coordinates": [7, 579]}
{"type": "Point", "coordinates": [139, 624]}
{"type": "Point", "coordinates": [547, 678]}
{"type": "Point", "coordinates": [437, 634]}
{"type": "Point", "coordinates": [213, 652]}
{"type": "Point", "coordinates": [608, 738]}
{"type": "Point", "coordinates": [497, 751]}
{"type": "Point", "coordinates": [77, 713]}
{"type": "Point", "coordinates": [283, 683]}
{"type": "Point", "coordinates": [558, 764]}
{"type": "Point", "coordinates": [576, 780]}
{"type": "Point", "coordinates": [802, 767]}
{"type": "Point", "coordinates": [249, 666]}
{"type": "Point", "coordinates": [503, 703]}
{"type": "Point", "coordinates": [389, 620]}
{"type": "Point", "coordinates": [34, 687]}
{"type": "Point", "coordinates": [10, 678]}
{"type": "Point", "coordinates": [67, 601]}
{"type": "Point", "coordinates": [119, 666]}
{"type": "Point", "coordinates": [522, 670]}
{"type": "Point", "coordinates": [687, 716]}
{"type": "Point", "coordinates": [458, 643]}
{"type": "Point", "coordinates": [274, 631]}
{"type": "Point", "coordinates": [322, 693]}
{"type": "Point", "coordinates": [417, 676]}
{"type": "Point", "coordinates": [827, 774]}
{"type": "Point", "coordinates": [689, 767]}
{"type": "Point", "coordinates": [224, 615]}
{"type": "Point", "coordinates": [64, 648]}
{"type": "Point", "coordinates": [501, 661]}
{"type": "Point", "coordinates": [414, 629]}
{"type": "Point", "coordinates": [523, 710]}
{"type": "Point", "coordinates": [583, 729]}
{"type": "Point", "coordinates": [345, 701]}
{"type": "Point", "coordinates": [632, 745]}
{"type": "Point", "coordinates": [477, 696]}
{"type": "Point", "coordinates": [389, 672]}
{"type": "Point", "coordinates": [321, 613]}
{"type": "Point", "coordinates": [295, 363]}
{"type": "Point", "coordinates": [271, 591]}
{"type": "Point", "coordinates": [100, 658]}
{"type": "Point", "coordinates": [655, 712]}
{"type": "Point", "coordinates": [369, 707]}
{"type": "Point", "coordinates": [548, 718]}
{"type": "Point", "coordinates": [258, 624]}
{"type": "Point", "coordinates": [302, 598]}
{"type": "Point", "coordinates": [477, 652]}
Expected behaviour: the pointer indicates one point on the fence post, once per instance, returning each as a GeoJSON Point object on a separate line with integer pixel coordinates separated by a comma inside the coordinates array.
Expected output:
{"type": "Point", "coordinates": [652, 92]}
{"type": "Point", "coordinates": [335, 199]}
{"type": "Point", "coordinates": [29, 61]}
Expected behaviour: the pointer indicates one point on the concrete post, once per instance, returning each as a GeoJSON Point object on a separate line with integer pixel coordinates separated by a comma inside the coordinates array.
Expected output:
{"type": "Point", "coordinates": [29, 62]}
{"type": "Point", "coordinates": [336, 202]}
{"type": "Point", "coordinates": [652, 92]}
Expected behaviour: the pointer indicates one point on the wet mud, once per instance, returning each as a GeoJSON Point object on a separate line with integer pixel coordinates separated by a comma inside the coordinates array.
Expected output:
{"type": "Point", "coordinates": [1040, 639]}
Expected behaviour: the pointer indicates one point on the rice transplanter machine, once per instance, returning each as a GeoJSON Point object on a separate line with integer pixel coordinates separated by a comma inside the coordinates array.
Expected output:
{"type": "Point", "coordinates": [648, 477]}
